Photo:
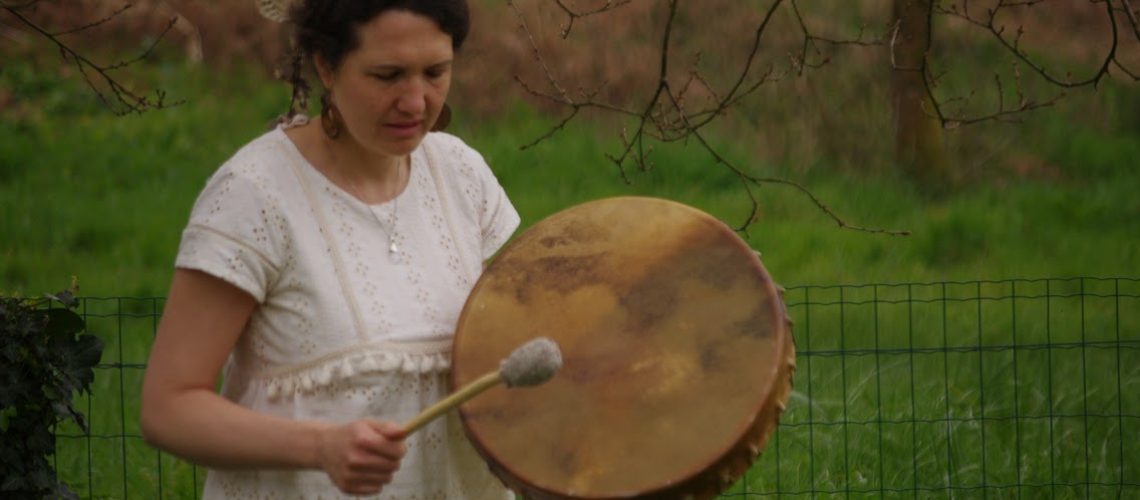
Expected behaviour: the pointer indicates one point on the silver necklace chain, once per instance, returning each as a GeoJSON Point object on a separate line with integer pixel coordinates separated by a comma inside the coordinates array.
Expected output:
{"type": "Point", "coordinates": [393, 248]}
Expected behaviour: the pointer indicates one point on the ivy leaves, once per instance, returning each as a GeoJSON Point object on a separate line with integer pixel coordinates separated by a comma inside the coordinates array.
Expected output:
{"type": "Point", "coordinates": [46, 360]}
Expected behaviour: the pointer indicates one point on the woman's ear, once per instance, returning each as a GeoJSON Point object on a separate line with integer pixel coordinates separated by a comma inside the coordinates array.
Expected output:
{"type": "Point", "coordinates": [324, 71]}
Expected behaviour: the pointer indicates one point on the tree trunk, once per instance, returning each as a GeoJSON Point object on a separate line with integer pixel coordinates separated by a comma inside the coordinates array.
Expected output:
{"type": "Point", "coordinates": [919, 146]}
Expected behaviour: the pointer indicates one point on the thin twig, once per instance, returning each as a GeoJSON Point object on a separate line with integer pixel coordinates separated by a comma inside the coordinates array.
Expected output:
{"type": "Point", "coordinates": [95, 23]}
{"type": "Point", "coordinates": [664, 117]}
{"type": "Point", "coordinates": [1013, 46]}
{"type": "Point", "coordinates": [573, 15]}
{"type": "Point", "coordinates": [1132, 17]}
{"type": "Point", "coordinates": [553, 130]}
{"type": "Point", "coordinates": [125, 100]}
{"type": "Point", "coordinates": [747, 179]}
{"type": "Point", "coordinates": [669, 114]}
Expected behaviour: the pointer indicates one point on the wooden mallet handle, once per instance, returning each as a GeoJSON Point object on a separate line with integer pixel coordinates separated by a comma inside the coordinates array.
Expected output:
{"type": "Point", "coordinates": [455, 399]}
{"type": "Point", "coordinates": [532, 364]}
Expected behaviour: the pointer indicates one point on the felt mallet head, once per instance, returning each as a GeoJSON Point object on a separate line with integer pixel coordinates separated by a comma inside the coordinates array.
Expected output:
{"type": "Point", "coordinates": [531, 364]}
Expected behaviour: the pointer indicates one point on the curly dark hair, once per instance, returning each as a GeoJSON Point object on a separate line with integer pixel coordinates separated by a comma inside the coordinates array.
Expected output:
{"type": "Point", "coordinates": [329, 28]}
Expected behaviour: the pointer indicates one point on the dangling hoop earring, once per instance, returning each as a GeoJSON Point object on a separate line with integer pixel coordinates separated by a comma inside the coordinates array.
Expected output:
{"type": "Point", "coordinates": [443, 120]}
{"type": "Point", "coordinates": [330, 117]}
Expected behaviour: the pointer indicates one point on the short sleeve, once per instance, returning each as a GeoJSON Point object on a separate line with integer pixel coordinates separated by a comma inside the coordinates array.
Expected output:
{"type": "Point", "coordinates": [235, 232]}
{"type": "Point", "coordinates": [483, 201]}
{"type": "Point", "coordinates": [498, 218]}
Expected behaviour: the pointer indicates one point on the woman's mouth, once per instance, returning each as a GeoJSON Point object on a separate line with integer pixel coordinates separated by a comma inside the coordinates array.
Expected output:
{"type": "Point", "coordinates": [405, 129]}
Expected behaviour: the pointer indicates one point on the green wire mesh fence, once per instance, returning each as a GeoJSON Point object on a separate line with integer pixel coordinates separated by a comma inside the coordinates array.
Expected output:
{"type": "Point", "coordinates": [1015, 388]}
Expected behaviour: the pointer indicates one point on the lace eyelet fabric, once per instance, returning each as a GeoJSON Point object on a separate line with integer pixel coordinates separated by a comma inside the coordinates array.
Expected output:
{"type": "Point", "coordinates": [342, 331]}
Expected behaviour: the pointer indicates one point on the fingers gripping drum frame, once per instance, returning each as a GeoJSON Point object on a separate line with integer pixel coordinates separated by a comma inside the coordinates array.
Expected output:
{"type": "Point", "coordinates": [677, 354]}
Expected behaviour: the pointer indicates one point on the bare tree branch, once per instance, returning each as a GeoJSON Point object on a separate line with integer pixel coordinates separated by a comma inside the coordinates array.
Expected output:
{"type": "Point", "coordinates": [665, 117]}
{"type": "Point", "coordinates": [573, 15]}
{"type": "Point", "coordinates": [1004, 112]}
{"type": "Point", "coordinates": [1013, 45]}
{"type": "Point", "coordinates": [561, 96]}
{"type": "Point", "coordinates": [115, 95]}
{"type": "Point", "coordinates": [94, 23]}
{"type": "Point", "coordinates": [810, 41]}
{"type": "Point", "coordinates": [1135, 77]}
{"type": "Point", "coordinates": [18, 6]}
{"type": "Point", "coordinates": [750, 181]}
{"type": "Point", "coordinates": [1132, 15]}
{"type": "Point", "coordinates": [669, 112]}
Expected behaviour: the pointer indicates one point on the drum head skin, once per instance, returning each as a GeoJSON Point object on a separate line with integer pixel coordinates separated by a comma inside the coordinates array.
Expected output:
{"type": "Point", "coordinates": [677, 354]}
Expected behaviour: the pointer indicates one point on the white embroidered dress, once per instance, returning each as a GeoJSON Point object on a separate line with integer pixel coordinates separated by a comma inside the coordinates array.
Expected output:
{"type": "Point", "coordinates": [342, 331]}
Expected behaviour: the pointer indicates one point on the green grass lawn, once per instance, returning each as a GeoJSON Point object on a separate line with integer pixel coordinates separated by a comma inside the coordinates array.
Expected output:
{"type": "Point", "coordinates": [105, 198]}
{"type": "Point", "coordinates": [917, 388]}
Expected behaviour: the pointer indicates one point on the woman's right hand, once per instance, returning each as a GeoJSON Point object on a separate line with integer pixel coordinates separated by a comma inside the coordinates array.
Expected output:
{"type": "Point", "coordinates": [182, 414]}
{"type": "Point", "coordinates": [360, 457]}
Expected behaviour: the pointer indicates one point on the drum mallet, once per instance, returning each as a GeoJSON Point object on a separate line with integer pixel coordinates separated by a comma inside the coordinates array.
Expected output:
{"type": "Point", "coordinates": [533, 363]}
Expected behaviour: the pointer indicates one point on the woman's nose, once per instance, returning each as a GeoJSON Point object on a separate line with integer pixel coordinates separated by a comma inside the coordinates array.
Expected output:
{"type": "Point", "coordinates": [413, 100]}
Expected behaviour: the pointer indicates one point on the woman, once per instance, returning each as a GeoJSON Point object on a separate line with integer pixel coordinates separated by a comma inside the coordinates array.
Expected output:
{"type": "Point", "coordinates": [325, 265]}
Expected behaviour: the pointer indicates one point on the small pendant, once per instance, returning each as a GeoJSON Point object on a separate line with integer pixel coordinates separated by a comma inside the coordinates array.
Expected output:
{"type": "Point", "coordinates": [394, 252]}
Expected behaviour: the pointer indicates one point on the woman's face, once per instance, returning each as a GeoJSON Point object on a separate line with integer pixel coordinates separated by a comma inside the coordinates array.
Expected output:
{"type": "Point", "coordinates": [390, 90]}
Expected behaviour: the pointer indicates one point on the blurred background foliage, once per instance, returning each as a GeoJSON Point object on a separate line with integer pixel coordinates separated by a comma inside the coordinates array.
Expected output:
{"type": "Point", "coordinates": [1051, 194]}
{"type": "Point", "coordinates": [84, 192]}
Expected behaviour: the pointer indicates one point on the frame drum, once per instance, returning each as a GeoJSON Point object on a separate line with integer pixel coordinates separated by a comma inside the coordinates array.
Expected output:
{"type": "Point", "coordinates": [677, 354]}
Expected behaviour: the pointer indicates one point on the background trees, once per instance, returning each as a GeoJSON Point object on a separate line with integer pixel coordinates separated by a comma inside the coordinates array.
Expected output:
{"type": "Point", "coordinates": [674, 67]}
{"type": "Point", "coordinates": [767, 89]}
{"type": "Point", "coordinates": [715, 58]}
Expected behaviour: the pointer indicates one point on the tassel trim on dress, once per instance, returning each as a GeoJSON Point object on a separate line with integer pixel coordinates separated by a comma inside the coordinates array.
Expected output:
{"type": "Point", "coordinates": [418, 358]}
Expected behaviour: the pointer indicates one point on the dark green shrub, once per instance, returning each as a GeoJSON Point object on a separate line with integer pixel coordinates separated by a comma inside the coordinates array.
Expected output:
{"type": "Point", "coordinates": [45, 360]}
